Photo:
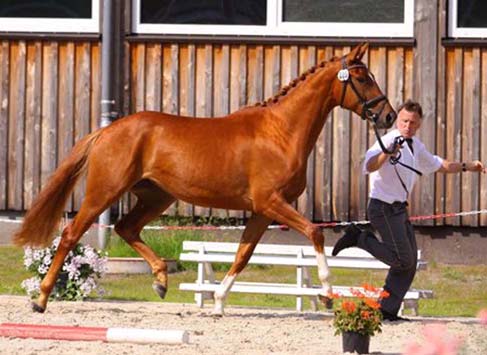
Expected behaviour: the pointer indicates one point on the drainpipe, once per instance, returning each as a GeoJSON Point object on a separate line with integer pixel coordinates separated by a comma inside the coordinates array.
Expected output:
{"type": "Point", "coordinates": [108, 102]}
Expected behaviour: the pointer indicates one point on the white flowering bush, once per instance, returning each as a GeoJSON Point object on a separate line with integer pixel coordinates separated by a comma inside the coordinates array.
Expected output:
{"type": "Point", "coordinates": [78, 277]}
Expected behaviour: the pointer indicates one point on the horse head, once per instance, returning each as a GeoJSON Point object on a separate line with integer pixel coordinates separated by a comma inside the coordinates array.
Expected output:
{"type": "Point", "coordinates": [358, 91]}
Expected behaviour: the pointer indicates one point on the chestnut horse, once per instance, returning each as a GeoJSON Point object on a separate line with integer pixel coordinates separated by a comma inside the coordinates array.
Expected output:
{"type": "Point", "coordinates": [253, 159]}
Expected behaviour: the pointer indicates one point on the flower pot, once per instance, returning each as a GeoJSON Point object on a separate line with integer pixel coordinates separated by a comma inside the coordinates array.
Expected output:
{"type": "Point", "coordinates": [355, 342]}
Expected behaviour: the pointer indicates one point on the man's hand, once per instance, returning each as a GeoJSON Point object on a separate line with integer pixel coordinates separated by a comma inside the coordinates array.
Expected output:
{"type": "Point", "coordinates": [394, 148]}
{"type": "Point", "coordinates": [476, 166]}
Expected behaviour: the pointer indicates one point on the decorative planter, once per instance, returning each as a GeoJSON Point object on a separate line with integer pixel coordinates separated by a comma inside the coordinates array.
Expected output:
{"type": "Point", "coordinates": [355, 342]}
{"type": "Point", "coordinates": [134, 266]}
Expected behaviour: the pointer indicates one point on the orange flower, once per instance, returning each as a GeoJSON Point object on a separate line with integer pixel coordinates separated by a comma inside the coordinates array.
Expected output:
{"type": "Point", "coordinates": [365, 314]}
{"type": "Point", "coordinates": [372, 303]}
{"type": "Point", "coordinates": [333, 295]}
{"type": "Point", "coordinates": [369, 288]}
{"type": "Point", "coordinates": [384, 294]}
{"type": "Point", "coordinates": [348, 306]}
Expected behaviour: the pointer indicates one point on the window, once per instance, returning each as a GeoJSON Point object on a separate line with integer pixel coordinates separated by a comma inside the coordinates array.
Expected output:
{"type": "Point", "coordinates": [197, 12]}
{"type": "Point", "coordinates": [50, 15]}
{"type": "Point", "coordinates": [324, 18]}
{"type": "Point", "coordinates": [467, 18]}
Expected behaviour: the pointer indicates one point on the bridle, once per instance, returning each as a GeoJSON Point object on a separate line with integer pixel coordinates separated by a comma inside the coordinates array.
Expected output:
{"type": "Point", "coordinates": [366, 114]}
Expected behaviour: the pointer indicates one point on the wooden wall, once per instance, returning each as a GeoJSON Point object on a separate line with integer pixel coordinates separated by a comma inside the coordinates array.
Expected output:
{"type": "Point", "coordinates": [50, 93]}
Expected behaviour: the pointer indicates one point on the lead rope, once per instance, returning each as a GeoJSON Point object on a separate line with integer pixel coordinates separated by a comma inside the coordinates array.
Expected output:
{"type": "Point", "coordinates": [394, 160]}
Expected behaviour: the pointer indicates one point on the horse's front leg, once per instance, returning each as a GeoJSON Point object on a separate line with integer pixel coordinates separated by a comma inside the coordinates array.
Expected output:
{"type": "Point", "coordinates": [256, 226]}
{"type": "Point", "coordinates": [277, 208]}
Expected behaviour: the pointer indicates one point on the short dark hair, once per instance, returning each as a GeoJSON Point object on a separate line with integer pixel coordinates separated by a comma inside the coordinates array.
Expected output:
{"type": "Point", "coordinates": [411, 106]}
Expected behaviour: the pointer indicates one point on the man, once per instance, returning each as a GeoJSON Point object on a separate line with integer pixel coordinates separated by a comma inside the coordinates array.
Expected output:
{"type": "Point", "coordinates": [392, 177]}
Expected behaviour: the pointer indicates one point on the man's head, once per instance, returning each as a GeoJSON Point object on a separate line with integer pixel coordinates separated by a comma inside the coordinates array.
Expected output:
{"type": "Point", "coordinates": [409, 118]}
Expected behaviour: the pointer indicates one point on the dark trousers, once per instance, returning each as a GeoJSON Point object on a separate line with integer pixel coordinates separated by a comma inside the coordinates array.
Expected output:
{"type": "Point", "coordinates": [397, 249]}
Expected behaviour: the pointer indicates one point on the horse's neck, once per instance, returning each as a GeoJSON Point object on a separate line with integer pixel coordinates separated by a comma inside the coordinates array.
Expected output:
{"type": "Point", "coordinates": [303, 111]}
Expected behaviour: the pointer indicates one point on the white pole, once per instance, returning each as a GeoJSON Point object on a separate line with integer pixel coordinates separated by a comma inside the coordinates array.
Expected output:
{"type": "Point", "coordinates": [147, 336]}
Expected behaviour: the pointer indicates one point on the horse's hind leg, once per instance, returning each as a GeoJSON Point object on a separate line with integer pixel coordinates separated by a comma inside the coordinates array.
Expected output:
{"type": "Point", "coordinates": [152, 201]}
{"type": "Point", "coordinates": [92, 206]}
{"type": "Point", "coordinates": [254, 230]}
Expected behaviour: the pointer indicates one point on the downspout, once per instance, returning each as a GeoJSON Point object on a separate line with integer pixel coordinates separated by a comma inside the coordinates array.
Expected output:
{"type": "Point", "coordinates": [108, 102]}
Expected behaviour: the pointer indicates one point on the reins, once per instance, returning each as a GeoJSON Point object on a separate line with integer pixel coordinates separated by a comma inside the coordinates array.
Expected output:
{"type": "Point", "coordinates": [396, 159]}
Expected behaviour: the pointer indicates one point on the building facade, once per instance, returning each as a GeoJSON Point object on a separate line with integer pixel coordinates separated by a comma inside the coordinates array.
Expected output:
{"type": "Point", "coordinates": [210, 60]}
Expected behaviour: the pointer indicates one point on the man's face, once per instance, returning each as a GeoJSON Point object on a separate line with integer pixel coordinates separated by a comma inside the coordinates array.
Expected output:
{"type": "Point", "coordinates": [408, 123]}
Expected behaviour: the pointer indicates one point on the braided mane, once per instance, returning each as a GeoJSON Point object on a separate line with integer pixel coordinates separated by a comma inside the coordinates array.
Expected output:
{"type": "Point", "coordinates": [285, 89]}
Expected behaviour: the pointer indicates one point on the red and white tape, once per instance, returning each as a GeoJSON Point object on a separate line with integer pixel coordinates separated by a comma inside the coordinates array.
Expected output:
{"type": "Point", "coordinates": [61, 332]}
{"type": "Point", "coordinates": [283, 227]}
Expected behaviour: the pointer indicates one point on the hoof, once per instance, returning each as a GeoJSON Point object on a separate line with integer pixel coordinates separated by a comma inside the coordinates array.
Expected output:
{"type": "Point", "coordinates": [217, 312]}
{"type": "Point", "coordinates": [327, 301]}
{"type": "Point", "coordinates": [160, 290]}
{"type": "Point", "coordinates": [37, 308]}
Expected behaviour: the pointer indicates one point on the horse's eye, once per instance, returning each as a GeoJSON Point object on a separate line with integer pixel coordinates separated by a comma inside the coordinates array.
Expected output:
{"type": "Point", "coordinates": [362, 80]}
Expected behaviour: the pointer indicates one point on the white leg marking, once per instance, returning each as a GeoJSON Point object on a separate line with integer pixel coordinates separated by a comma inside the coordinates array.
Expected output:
{"type": "Point", "coordinates": [323, 273]}
{"type": "Point", "coordinates": [222, 292]}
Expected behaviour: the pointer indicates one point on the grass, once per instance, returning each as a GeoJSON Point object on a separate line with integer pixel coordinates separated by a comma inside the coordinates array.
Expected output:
{"type": "Point", "coordinates": [170, 246]}
{"type": "Point", "coordinates": [459, 290]}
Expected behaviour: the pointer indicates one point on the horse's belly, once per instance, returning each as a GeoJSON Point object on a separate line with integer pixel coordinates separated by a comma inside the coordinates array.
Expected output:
{"type": "Point", "coordinates": [214, 193]}
{"type": "Point", "coordinates": [223, 203]}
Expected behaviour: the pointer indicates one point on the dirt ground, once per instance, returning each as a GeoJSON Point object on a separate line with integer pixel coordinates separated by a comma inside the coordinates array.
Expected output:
{"type": "Point", "coordinates": [240, 331]}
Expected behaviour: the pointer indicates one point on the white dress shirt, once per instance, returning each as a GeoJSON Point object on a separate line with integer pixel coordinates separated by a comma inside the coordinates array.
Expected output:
{"type": "Point", "coordinates": [384, 183]}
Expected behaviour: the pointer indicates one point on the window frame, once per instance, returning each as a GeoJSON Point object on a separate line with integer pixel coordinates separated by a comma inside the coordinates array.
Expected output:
{"type": "Point", "coordinates": [58, 25]}
{"type": "Point", "coordinates": [276, 27]}
{"type": "Point", "coordinates": [462, 32]}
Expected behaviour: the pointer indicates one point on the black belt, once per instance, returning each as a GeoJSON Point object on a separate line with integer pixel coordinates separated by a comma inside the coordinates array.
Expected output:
{"type": "Point", "coordinates": [394, 204]}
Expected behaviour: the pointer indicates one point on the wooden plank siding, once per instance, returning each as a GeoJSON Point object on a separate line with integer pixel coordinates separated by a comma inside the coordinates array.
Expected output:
{"type": "Point", "coordinates": [455, 80]}
{"type": "Point", "coordinates": [4, 102]}
{"type": "Point", "coordinates": [470, 132]}
{"type": "Point", "coordinates": [16, 125]}
{"type": "Point", "coordinates": [32, 147]}
{"type": "Point", "coordinates": [441, 147]}
{"type": "Point", "coordinates": [45, 93]}
{"type": "Point", "coordinates": [50, 92]}
{"type": "Point", "coordinates": [483, 135]}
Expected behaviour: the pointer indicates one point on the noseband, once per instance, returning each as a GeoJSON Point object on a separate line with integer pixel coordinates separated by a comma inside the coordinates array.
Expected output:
{"type": "Point", "coordinates": [345, 77]}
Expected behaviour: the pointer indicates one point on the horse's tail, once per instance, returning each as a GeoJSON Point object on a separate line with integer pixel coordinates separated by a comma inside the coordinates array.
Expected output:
{"type": "Point", "coordinates": [43, 216]}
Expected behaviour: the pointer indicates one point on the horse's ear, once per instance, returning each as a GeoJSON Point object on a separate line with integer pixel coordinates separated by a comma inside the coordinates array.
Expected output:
{"type": "Point", "coordinates": [358, 52]}
{"type": "Point", "coordinates": [363, 49]}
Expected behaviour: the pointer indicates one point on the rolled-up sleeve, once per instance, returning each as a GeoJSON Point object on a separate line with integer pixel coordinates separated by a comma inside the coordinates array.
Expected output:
{"type": "Point", "coordinates": [428, 163]}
